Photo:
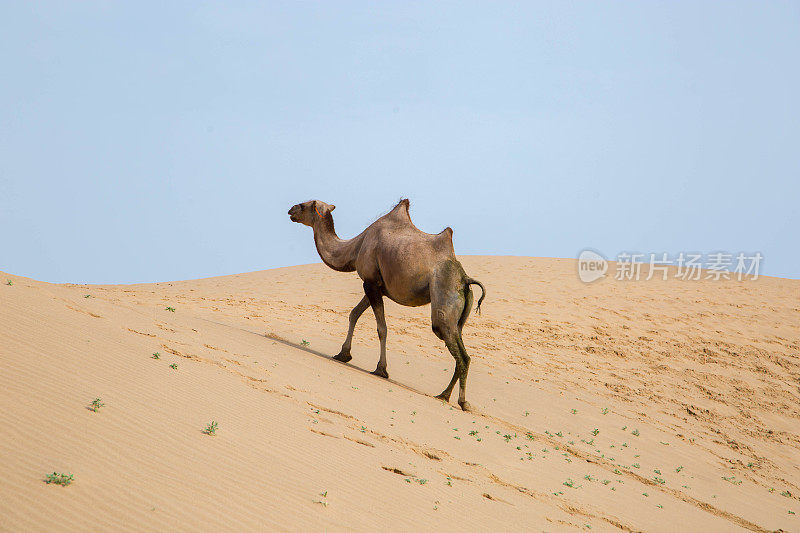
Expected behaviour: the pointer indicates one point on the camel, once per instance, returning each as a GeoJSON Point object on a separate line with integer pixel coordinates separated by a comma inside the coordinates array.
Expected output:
{"type": "Point", "coordinates": [395, 259]}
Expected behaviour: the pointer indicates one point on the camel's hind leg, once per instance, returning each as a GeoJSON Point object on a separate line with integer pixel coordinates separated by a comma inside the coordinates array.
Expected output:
{"type": "Point", "coordinates": [375, 296]}
{"type": "Point", "coordinates": [344, 355]}
{"type": "Point", "coordinates": [456, 346]}
{"type": "Point", "coordinates": [445, 395]}
{"type": "Point", "coordinates": [450, 305]}
{"type": "Point", "coordinates": [462, 383]}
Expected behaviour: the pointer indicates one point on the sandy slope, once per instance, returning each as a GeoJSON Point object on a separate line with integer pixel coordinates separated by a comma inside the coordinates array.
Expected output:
{"type": "Point", "coordinates": [707, 373]}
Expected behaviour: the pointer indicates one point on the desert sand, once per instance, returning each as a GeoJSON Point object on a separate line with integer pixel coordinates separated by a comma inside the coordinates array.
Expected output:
{"type": "Point", "coordinates": [640, 405]}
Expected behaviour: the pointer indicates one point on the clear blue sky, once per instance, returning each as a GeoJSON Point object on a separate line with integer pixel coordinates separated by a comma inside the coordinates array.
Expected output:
{"type": "Point", "coordinates": [146, 141]}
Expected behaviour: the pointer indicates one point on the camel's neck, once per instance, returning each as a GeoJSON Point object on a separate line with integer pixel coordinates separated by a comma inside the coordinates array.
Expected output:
{"type": "Point", "coordinates": [338, 254]}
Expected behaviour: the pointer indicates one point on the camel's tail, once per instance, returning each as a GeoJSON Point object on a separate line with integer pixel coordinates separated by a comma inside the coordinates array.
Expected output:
{"type": "Point", "coordinates": [471, 281]}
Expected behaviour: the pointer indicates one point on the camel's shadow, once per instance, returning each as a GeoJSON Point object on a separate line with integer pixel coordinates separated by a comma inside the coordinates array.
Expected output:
{"type": "Point", "coordinates": [303, 347]}
{"type": "Point", "coordinates": [307, 349]}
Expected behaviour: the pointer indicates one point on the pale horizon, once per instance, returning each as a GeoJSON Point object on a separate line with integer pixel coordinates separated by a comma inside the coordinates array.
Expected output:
{"type": "Point", "coordinates": [151, 142]}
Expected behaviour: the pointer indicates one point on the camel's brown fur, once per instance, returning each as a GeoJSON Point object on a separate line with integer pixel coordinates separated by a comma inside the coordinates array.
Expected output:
{"type": "Point", "coordinates": [409, 266]}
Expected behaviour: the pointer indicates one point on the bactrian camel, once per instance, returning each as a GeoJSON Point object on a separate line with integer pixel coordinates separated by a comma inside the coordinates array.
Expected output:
{"type": "Point", "coordinates": [395, 259]}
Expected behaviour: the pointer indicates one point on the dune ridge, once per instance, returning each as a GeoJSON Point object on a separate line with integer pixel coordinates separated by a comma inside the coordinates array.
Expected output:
{"type": "Point", "coordinates": [639, 405]}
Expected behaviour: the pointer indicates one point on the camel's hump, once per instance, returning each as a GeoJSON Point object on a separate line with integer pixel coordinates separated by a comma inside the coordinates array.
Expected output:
{"type": "Point", "coordinates": [401, 205]}
{"type": "Point", "coordinates": [445, 238]}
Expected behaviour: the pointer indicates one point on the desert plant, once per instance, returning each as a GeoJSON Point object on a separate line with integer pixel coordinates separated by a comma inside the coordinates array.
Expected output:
{"type": "Point", "coordinates": [59, 478]}
{"type": "Point", "coordinates": [323, 501]}
{"type": "Point", "coordinates": [211, 429]}
{"type": "Point", "coordinates": [96, 404]}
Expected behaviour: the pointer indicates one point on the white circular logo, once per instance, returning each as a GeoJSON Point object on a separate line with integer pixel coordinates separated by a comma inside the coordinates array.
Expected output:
{"type": "Point", "coordinates": [591, 266]}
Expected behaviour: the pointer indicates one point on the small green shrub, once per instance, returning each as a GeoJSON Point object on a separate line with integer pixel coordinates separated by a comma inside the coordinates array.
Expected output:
{"type": "Point", "coordinates": [96, 404]}
{"type": "Point", "coordinates": [59, 478]}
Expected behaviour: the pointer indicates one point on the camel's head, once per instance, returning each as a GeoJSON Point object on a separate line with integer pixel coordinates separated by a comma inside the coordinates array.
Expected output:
{"type": "Point", "coordinates": [306, 212]}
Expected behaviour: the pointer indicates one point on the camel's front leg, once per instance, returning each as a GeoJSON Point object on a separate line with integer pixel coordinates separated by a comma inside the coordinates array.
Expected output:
{"type": "Point", "coordinates": [373, 292]}
{"type": "Point", "coordinates": [344, 355]}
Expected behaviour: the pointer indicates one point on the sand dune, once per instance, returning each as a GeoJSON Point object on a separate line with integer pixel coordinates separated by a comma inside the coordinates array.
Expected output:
{"type": "Point", "coordinates": [657, 406]}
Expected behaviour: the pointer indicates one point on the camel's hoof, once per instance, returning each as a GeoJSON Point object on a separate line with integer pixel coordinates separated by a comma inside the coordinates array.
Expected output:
{"type": "Point", "coordinates": [465, 406]}
{"type": "Point", "coordinates": [443, 397]}
{"type": "Point", "coordinates": [381, 373]}
{"type": "Point", "coordinates": [343, 357]}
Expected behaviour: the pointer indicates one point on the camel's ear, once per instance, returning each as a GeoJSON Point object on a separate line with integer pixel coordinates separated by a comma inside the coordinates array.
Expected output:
{"type": "Point", "coordinates": [322, 208]}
